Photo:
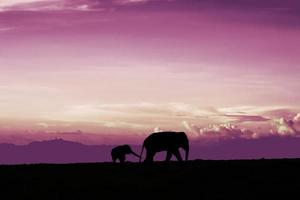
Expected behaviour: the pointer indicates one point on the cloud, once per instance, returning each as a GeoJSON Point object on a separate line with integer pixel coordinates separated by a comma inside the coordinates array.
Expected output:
{"type": "Point", "coordinates": [144, 118]}
{"type": "Point", "coordinates": [198, 122]}
{"type": "Point", "coordinates": [6, 29]}
{"type": "Point", "coordinates": [42, 5]}
{"type": "Point", "coordinates": [120, 124]}
{"type": "Point", "coordinates": [226, 131]}
{"type": "Point", "coordinates": [221, 130]}
{"type": "Point", "coordinates": [277, 6]}
{"type": "Point", "coordinates": [287, 113]}
{"type": "Point", "coordinates": [4, 3]}
{"type": "Point", "coordinates": [247, 118]}
{"type": "Point", "coordinates": [297, 118]}
{"type": "Point", "coordinates": [217, 131]}
{"type": "Point", "coordinates": [284, 127]}
{"type": "Point", "coordinates": [148, 110]}
{"type": "Point", "coordinates": [192, 129]}
{"type": "Point", "coordinates": [157, 129]}
{"type": "Point", "coordinates": [46, 125]}
{"type": "Point", "coordinates": [124, 2]}
{"type": "Point", "coordinates": [285, 121]}
{"type": "Point", "coordinates": [79, 5]}
{"type": "Point", "coordinates": [186, 125]}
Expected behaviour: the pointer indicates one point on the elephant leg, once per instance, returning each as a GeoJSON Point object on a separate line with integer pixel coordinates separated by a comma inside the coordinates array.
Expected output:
{"type": "Point", "coordinates": [114, 158]}
{"type": "Point", "coordinates": [169, 156]}
{"type": "Point", "coordinates": [122, 158]}
{"type": "Point", "coordinates": [177, 154]}
{"type": "Point", "coordinates": [149, 156]}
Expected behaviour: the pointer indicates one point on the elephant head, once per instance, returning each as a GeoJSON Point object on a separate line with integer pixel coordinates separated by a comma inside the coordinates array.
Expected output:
{"type": "Point", "coordinates": [166, 141]}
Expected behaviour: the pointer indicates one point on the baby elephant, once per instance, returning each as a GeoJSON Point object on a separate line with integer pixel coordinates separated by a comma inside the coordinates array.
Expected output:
{"type": "Point", "coordinates": [119, 153]}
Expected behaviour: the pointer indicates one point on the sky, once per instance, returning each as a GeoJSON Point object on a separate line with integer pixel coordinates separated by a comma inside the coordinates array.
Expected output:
{"type": "Point", "coordinates": [114, 71]}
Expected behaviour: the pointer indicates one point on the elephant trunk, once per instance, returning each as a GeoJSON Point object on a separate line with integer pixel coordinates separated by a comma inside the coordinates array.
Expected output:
{"type": "Point", "coordinates": [133, 153]}
{"type": "Point", "coordinates": [142, 152]}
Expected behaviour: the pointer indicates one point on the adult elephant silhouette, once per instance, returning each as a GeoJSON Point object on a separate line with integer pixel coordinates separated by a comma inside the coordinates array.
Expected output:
{"type": "Point", "coordinates": [165, 141]}
{"type": "Point", "coordinates": [119, 153]}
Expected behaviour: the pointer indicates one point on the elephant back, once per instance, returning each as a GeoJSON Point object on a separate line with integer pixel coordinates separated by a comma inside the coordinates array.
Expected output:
{"type": "Point", "coordinates": [161, 139]}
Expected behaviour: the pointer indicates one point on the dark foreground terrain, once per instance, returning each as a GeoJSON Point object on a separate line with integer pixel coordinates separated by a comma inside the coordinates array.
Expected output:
{"type": "Point", "coordinates": [200, 179]}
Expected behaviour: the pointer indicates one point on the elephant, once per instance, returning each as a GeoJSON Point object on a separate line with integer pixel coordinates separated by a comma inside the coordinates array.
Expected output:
{"type": "Point", "coordinates": [165, 141]}
{"type": "Point", "coordinates": [119, 153]}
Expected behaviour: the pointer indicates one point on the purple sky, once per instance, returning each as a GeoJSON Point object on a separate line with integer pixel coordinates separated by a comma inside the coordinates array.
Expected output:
{"type": "Point", "coordinates": [120, 69]}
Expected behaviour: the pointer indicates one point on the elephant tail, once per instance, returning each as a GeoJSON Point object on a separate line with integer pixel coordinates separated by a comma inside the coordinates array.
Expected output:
{"type": "Point", "coordinates": [142, 153]}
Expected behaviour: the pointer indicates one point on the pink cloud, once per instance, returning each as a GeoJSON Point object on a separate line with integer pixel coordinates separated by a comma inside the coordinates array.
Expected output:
{"type": "Point", "coordinates": [132, 123]}
{"type": "Point", "coordinates": [219, 131]}
{"type": "Point", "coordinates": [61, 5]}
{"type": "Point", "coordinates": [297, 118]}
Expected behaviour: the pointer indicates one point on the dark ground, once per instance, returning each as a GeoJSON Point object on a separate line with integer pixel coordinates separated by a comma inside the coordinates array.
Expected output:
{"type": "Point", "coordinates": [200, 179]}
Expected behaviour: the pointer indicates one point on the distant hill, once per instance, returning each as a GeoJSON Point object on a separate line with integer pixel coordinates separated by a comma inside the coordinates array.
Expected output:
{"type": "Point", "coordinates": [53, 151]}
{"type": "Point", "coordinates": [61, 151]}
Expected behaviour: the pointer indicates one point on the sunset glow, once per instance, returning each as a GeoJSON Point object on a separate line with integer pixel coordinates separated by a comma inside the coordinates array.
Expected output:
{"type": "Point", "coordinates": [116, 70]}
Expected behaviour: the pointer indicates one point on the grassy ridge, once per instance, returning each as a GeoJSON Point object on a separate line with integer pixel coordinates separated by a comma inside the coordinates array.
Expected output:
{"type": "Point", "coordinates": [238, 179]}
